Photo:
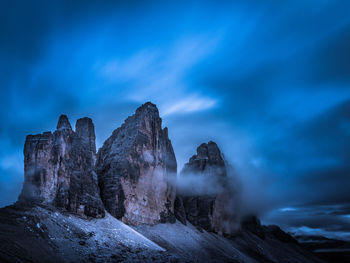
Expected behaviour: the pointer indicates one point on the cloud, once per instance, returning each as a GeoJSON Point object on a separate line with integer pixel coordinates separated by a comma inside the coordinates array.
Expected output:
{"type": "Point", "coordinates": [308, 231]}
{"type": "Point", "coordinates": [326, 220]}
{"type": "Point", "coordinates": [190, 104]}
{"type": "Point", "coordinates": [134, 67]}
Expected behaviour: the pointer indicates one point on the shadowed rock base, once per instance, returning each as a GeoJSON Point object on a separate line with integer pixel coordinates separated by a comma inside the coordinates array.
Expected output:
{"type": "Point", "coordinates": [43, 234]}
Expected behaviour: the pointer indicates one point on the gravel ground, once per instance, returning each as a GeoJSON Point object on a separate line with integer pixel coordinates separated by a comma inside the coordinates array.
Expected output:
{"type": "Point", "coordinates": [43, 234]}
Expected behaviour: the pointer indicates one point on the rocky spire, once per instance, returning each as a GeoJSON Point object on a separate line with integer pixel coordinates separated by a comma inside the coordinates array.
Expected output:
{"type": "Point", "coordinates": [63, 123]}
{"type": "Point", "coordinates": [208, 158]}
{"type": "Point", "coordinates": [85, 129]}
{"type": "Point", "coordinates": [210, 202]}
{"type": "Point", "coordinates": [148, 108]}
{"type": "Point", "coordinates": [136, 166]}
{"type": "Point", "coordinates": [59, 170]}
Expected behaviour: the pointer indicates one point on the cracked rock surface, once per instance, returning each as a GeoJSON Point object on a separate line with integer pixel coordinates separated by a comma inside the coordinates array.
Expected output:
{"type": "Point", "coordinates": [135, 167]}
{"type": "Point", "coordinates": [59, 169]}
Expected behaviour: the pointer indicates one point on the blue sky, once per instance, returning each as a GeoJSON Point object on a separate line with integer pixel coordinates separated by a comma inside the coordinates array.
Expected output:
{"type": "Point", "coordinates": [267, 80]}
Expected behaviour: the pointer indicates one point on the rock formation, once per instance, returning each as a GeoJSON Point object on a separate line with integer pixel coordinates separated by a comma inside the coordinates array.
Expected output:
{"type": "Point", "coordinates": [85, 129]}
{"type": "Point", "coordinates": [135, 167]}
{"type": "Point", "coordinates": [59, 168]}
{"type": "Point", "coordinates": [208, 200]}
{"type": "Point", "coordinates": [133, 174]}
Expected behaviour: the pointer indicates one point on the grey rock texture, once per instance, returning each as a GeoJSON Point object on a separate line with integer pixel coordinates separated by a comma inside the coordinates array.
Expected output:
{"type": "Point", "coordinates": [210, 203]}
{"type": "Point", "coordinates": [85, 129]}
{"type": "Point", "coordinates": [59, 169]}
{"type": "Point", "coordinates": [136, 167]}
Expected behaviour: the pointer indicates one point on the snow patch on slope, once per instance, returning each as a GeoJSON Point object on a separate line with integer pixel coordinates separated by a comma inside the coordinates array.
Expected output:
{"type": "Point", "coordinates": [99, 240]}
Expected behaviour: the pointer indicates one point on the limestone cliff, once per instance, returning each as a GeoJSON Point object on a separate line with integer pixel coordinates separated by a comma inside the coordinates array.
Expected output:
{"type": "Point", "coordinates": [208, 201]}
{"type": "Point", "coordinates": [135, 167]}
{"type": "Point", "coordinates": [59, 169]}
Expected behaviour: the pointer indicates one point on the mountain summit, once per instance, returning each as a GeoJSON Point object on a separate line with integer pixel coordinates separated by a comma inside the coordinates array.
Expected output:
{"type": "Point", "coordinates": [135, 167]}
{"type": "Point", "coordinates": [127, 204]}
{"type": "Point", "coordinates": [59, 170]}
{"type": "Point", "coordinates": [212, 201]}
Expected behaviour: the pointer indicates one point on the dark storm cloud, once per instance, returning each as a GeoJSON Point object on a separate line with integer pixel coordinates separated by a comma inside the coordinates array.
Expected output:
{"type": "Point", "coordinates": [317, 152]}
{"type": "Point", "coordinates": [27, 27]}
{"type": "Point", "coordinates": [314, 220]}
{"type": "Point", "coordinates": [267, 80]}
{"type": "Point", "coordinates": [331, 60]}
{"type": "Point", "coordinates": [315, 161]}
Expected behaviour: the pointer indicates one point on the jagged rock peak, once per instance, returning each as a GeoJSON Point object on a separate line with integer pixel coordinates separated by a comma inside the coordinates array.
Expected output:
{"type": "Point", "coordinates": [208, 161]}
{"type": "Point", "coordinates": [63, 123]}
{"type": "Point", "coordinates": [148, 107]}
{"type": "Point", "coordinates": [210, 153]}
{"type": "Point", "coordinates": [85, 129]}
{"type": "Point", "coordinates": [145, 115]}
{"type": "Point", "coordinates": [59, 170]}
{"type": "Point", "coordinates": [210, 203]}
{"type": "Point", "coordinates": [135, 167]}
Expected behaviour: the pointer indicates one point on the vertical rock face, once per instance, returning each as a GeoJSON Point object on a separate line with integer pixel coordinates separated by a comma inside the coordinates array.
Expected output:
{"type": "Point", "coordinates": [208, 200]}
{"type": "Point", "coordinates": [85, 129]}
{"type": "Point", "coordinates": [136, 166]}
{"type": "Point", "coordinates": [59, 169]}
